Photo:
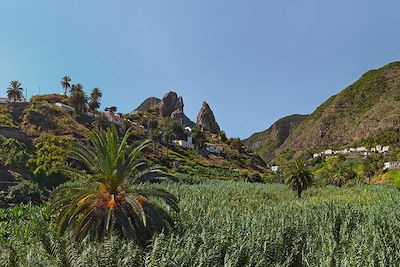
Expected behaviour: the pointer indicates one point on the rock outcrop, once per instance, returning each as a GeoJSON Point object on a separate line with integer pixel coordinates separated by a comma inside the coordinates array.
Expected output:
{"type": "Point", "coordinates": [171, 106]}
{"type": "Point", "coordinates": [206, 119]}
{"type": "Point", "coordinates": [171, 103]}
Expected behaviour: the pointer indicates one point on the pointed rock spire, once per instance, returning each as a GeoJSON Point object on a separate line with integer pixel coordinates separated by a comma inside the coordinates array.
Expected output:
{"type": "Point", "coordinates": [206, 119]}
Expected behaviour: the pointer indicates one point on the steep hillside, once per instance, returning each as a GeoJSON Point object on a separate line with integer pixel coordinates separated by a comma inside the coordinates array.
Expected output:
{"type": "Point", "coordinates": [148, 104]}
{"type": "Point", "coordinates": [366, 112]}
{"type": "Point", "coordinates": [265, 143]}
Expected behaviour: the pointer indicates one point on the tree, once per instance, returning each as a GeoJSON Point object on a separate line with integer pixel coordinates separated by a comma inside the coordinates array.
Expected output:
{"type": "Point", "coordinates": [299, 177]}
{"type": "Point", "coordinates": [94, 101]}
{"type": "Point", "coordinates": [66, 83]}
{"type": "Point", "coordinates": [199, 138]}
{"type": "Point", "coordinates": [78, 100]}
{"type": "Point", "coordinates": [341, 175]}
{"type": "Point", "coordinates": [110, 196]}
{"type": "Point", "coordinates": [112, 109]}
{"type": "Point", "coordinates": [236, 143]}
{"type": "Point", "coordinates": [76, 88]}
{"type": "Point", "coordinates": [15, 91]}
{"type": "Point", "coordinates": [167, 131]}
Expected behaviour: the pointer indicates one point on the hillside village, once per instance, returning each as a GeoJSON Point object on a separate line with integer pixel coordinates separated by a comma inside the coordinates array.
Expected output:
{"type": "Point", "coordinates": [55, 121]}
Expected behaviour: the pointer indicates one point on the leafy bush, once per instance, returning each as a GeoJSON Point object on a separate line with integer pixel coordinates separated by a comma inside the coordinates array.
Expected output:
{"type": "Point", "coordinates": [23, 192]}
{"type": "Point", "coordinates": [6, 120]}
{"type": "Point", "coordinates": [13, 152]}
{"type": "Point", "coordinates": [50, 152]}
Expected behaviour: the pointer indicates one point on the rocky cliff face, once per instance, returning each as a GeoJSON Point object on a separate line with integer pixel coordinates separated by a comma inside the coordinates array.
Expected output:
{"type": "Point", "coordinates": [206, 119]}
{"type": "Point", "coordinates": [171, 103]}
{"type": "Point", "coordinates": [170, 106]}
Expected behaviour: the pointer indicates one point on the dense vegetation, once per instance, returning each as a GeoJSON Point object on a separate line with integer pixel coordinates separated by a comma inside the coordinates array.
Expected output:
{"type": "Point", "coordinates": [231, 224]}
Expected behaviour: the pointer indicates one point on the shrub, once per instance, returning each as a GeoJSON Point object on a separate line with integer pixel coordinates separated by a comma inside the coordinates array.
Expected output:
{"type": "Point", "coordinates": [23, 192]}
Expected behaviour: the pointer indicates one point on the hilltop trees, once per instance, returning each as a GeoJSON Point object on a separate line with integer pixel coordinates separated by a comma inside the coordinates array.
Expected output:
{"type": "Point", "coordinates": [66, 83]}
{"type": "Point", "coordinates": [75, 87]}
{"type": "Point", "coordinates": [15, 90]}
{"type": "Point", "coordinates": [109, 197]}
{"type": "Point", "coordinates": [78, 100]}
{"type": "Point", "coordinates": [299, 176]}
{"type": "Point", "coordinates": [94, 100]}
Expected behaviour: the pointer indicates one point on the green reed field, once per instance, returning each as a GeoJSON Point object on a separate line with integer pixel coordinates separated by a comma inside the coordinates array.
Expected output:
{"type": "Point", "coordinates": [231, 224]}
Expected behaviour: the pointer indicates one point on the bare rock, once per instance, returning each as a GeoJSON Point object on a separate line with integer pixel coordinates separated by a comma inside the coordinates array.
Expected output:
{"type": "Point", "coordinates": [171, 103]}
{"type": "Point", "coordinates": [206, 119]}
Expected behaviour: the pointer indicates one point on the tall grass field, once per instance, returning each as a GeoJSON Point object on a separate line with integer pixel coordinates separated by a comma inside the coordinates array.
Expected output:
{"type": "Point", "coordinates": [231, 224]}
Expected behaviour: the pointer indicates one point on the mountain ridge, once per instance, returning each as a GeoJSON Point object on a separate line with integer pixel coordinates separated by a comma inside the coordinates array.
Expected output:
{"type": "Point", "coordinates": [367, 111]}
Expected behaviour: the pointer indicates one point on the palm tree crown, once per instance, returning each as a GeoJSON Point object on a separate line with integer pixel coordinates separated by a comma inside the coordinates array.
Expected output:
{"type": "Point", "coordinates": [299, 177]}
{"type": "Point", "coordinates": [15, 90]}
{"type": "Point", "coordinates": [76, 88]}
{"type": "Point", "coordinates": [78, 100]}
{"type": "Point", "coordinates": [111, 196]}
{"type": "Point", "coordinates": [341, 175]}
{"type": "Point", "coordinates": [66, 83]}
{"type": "Point", "coordinates": [94, 102]}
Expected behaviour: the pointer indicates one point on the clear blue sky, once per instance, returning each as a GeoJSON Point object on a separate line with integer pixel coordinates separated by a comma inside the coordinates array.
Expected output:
{"type": "Point", "coordinates": [253, 61]}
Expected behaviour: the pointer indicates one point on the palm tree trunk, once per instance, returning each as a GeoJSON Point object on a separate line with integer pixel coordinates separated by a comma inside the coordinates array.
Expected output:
{"type": "Point", "coordinates": [298, 192]}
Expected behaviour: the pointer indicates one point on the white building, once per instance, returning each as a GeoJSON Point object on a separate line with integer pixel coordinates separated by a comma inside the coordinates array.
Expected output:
{"type": "Point", "coordinates": [8, 100]}
{"type": "Point", "coordinates": [328, 152]}
{"type": "Point", "coordinates": [275, 168]}
{"type": "Point", "coordinates": [214, 149]}
{"type": "Point", "coordinates": [316, 155]}
{"type": "Point", "coordinates": [361, 149]}
{"type": "Point", "coordinates": [385, 149]}
{"type": "Point", "coordinates": [184, 144]}
{"type": "Point", "coordinates": [391, 165]}
{"type": "Point", "coordinates": [65, 107]}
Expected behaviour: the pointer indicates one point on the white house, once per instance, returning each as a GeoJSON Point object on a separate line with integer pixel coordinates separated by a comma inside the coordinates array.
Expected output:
{"type": "Point", "coordinates": [316, 155]}
{"type": "Point", "coordinates": [275, 168]}
{"type": "Point", "coordinates": [65, 107]}
{"type": "Point", "coordinates": [328, 152]}
{"type": "Point", "coordinates": [8, 100]}
{"type": "Point", "coordinates": [360, 149]}
{"type": "Point", "coordinates": [391, 165]}
{"type": "Point", "coordinates": [385, 149]}
{"type": "Point", "coordinates": [214, 149]}
{"type": "Point", "coordinates": [184, 144]}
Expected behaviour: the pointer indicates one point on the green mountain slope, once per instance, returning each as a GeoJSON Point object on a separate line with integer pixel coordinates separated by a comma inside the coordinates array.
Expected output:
{"type": "Point", "coordinates": [367, 112]}
{"type": "Point", "coordinates": [266, 142]}
{"type": "Point", "coordinates": [148, 104]}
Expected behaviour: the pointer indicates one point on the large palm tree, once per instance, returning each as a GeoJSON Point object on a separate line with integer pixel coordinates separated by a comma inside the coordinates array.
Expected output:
{"type": "Point", "coordinates": [94, 102]}
{"type": "Point", "coordinates": [299, 177]}
{"type": "Point", "coordinates": [111, 196]}
{"type": "Point", "coordinates": [66, 83]}
{"type": "Point", "coordinates": [15, 90]}
{"type": "Point", "coordinates": [78, 100]}
{"type": "Point", "coordinates": [76, 88]}
{"type": "Point", "coordinates": [341, 175]}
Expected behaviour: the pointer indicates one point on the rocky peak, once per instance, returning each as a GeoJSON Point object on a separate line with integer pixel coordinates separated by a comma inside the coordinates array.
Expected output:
{"type": "Point", "coordinates": [171, 103]}
{"type": "Point", "coordinates": [206, 119]}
